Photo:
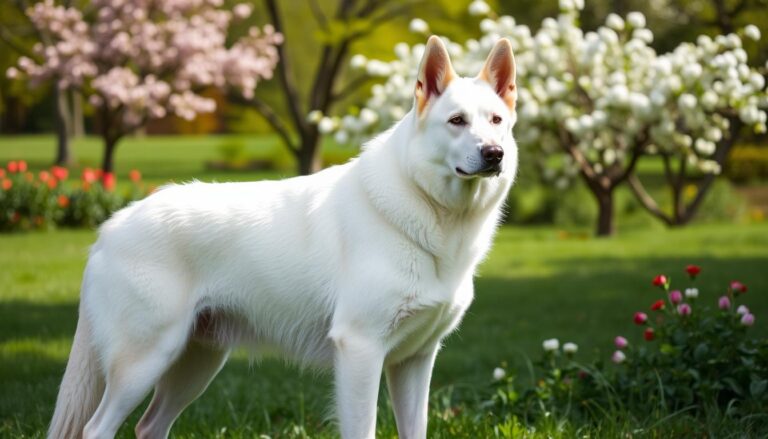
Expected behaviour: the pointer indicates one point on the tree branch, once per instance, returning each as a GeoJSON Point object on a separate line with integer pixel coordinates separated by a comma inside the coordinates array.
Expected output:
{"type": "Point", "coordinates": [284, 71]}
{"type": "Point", "coordinates": [351, 87]}
{"type": "Point", "coordinates": [274, 120]}
{"type": "Point", "coordinates": [646, 200]}
{"type": "Point", "coordinates": [320, 17]}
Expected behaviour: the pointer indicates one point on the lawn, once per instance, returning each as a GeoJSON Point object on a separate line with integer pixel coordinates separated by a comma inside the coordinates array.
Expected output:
{"type": "Point", "coordinates": [537, 283]}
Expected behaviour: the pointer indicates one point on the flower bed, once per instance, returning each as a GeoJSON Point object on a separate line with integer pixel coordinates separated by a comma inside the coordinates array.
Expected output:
{"type": "Point", "coordinates": [49, 198]}
{"type": "Point", "coordinates": [693, 354]}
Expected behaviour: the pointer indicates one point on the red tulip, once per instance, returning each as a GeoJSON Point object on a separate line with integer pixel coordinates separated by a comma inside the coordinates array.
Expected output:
{"type": "Point", "coordinates": [63, 201]}
{"type": "Point", "coordinates": [89, 175]}
{"type": "Point", "coordinates": [13, 167]}
{"type": "Point", "coordinates": [44, 176]}
{"type": "Point", "coordinates": [22, 166]}
{"type": "Point", "coordinates": [2, 172]}
{"type": "Point", "coordinates": [134, 175]}
{"type": "Point", "coordinates": [108, 180]}
{"type": "Point", "coordinates": [660, 281]}
{"type": "Point", "coordinates": [693, 270]}
{"type": "Point", "coordinates": [640, 318]}
{"type": "Point", "coordinates": [649, 334]}
{"type": "Point", "coordinates": [60, 172]}
{"type": "Point", "coordinates": [657, 305]}
{"type": "Point", "coordinates": [7, 184]}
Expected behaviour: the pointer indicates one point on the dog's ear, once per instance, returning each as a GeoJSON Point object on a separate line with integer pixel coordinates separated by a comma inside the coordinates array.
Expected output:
{"type": "Point", "coordinates": [499, 71]}
{"type": "Point", "coordinates": [435, 72]}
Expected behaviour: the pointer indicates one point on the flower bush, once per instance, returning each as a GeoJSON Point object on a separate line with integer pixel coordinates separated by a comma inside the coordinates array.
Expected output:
{"type": "Point", "coordinates": [693, 353]}
{"type": "Point", "coordinates": [49, 198]}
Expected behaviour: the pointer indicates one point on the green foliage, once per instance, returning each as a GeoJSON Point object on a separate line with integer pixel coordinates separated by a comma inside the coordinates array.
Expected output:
{"type": "Point", "coordinates": [747, 164]}
{"type": "Point", "coordinates": [43, 201]}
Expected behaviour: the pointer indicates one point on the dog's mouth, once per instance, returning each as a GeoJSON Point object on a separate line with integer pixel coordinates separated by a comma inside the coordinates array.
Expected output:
{"type": "Point", "coordinates": [490, 171]}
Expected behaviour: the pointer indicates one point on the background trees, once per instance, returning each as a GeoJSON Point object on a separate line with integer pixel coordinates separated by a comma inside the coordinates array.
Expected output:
{"type": "Point", "coordinates": [136, 62]}
{"type": "Point", "coordinates": [593, 103]}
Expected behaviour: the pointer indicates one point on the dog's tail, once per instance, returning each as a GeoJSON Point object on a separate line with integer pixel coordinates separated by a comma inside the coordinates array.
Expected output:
{"type": "Point", "coordinates": [81, 388]}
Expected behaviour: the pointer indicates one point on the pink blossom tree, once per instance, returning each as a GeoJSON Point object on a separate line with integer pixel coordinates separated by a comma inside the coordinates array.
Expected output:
{"type": "Point", "coordinates": [144, 59]}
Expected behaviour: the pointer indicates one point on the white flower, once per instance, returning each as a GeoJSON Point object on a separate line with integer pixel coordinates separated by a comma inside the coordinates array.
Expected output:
{"type": "Point", "coordinates": [570, 348]}
{"type": "Point", "coordinates": [618, 357]}
{"type": "Point", "coordinates": [742, 310]}
{"type": "Point", "coordinates": [687, 101]}
{"type": "Point", "coordinates": [614, 22]}
{"type": "Point", "coordinates": [418, 26]}
{"type": "Point", "coordinates": [314, 116]}
{"type": "Point", "coordinates": [691, 293]}
{"type": "Point", "coordinates": [551, 344]}
{"type": "Point", "coordinates": [341, 137]}
{"type": "Point", "coordinates": [368, 116]}
{"type": "Point", "coordinates": [326, 125]}
{"type": "Point", "coordinates": [479, 8]}
{"type": "Point", "coordinates": [499, 374]}
{"type": "Point", "coordinates": [704, 147]}
{"type": "Point", "coordinates": [752, 32]}
{"type": "Point", "coordinates": [242, 10]}
{"type": "Point", "coordinates": [358, 61]}
{"type": "Point", "coordinates": [636, 19]}
{"type": "Point", "coordinates": [12, 73]}
{"type": "Point", "coordinates": [709, 99]}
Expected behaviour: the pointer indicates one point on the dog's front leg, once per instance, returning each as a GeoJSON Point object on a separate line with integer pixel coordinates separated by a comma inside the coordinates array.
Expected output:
{"type": "Point", "coordinates": [408, 384]}
{"type": "Point", "coordinates": [358, 367]}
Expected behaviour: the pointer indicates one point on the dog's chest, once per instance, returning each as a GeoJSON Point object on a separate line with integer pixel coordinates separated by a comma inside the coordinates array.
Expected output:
{"type": "Point", "coordinates": [418, 327]}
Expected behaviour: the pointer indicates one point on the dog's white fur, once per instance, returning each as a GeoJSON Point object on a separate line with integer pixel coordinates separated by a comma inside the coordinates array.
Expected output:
{"type": "Point", "coordinates": [364, 267]}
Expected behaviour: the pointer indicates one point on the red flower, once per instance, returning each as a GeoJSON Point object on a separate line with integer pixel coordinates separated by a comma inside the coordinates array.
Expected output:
{"type": "Point", "coordinates": [649, 334]}
{"type": "Point", "coordinates": [108, 181]}
{"type": "Point", "coordinates": [52, 183]}
{"type": "Point", "coordinates": [2, 172]}
{"type": "Point", "coordinates": [134, 175]}
{"type": "Point", "coordinates": [7, 184]}
{"type": "Point", "coordinates": [59, 172]}
{"type": "Point", "coordinates": [640, 318]}
{"type": "Point", "coordinates": [693, 271]}
{"type": "Point", "coordinates": [13, 167]}
{"type": "Point", "coordinates": [44, 176]}
{"type": "Point", "coordinates": [22, 166]}
{"type": "Point", "coordinates": [89, 175]}
{"type": "Point", "coordinates": [738, 287]}
{"type": "Point", "coordinates": [660, 281]}
{"type": "Point", "coordinates": [63, 201]}
{"type": "Point", "coordinates": [657, 305]}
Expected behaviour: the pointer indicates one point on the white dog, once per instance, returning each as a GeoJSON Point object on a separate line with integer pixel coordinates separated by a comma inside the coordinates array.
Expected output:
{"type": "Point", "coordinates": [363, 267]}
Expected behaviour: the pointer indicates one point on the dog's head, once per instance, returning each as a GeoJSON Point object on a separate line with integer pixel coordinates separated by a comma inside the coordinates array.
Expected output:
{"type": "Point", "coordinates": [464, 125]}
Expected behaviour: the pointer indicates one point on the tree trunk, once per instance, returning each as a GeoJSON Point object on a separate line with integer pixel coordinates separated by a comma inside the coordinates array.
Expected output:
{"type": "Point", "coordinates": [78, 119]}
{"type": "Point", "coordinates": [108, 162]}
{"type": "Point", "coordinates": [605, 226]}
{"type": "Point", "coordinates": [308, 156]}
{"type": "Point", "coordinates": [63, 155]}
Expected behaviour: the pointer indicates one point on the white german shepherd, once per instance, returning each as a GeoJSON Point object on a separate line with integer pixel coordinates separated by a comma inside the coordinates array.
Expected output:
{"type": "Point", "coordinates": [364, 267]}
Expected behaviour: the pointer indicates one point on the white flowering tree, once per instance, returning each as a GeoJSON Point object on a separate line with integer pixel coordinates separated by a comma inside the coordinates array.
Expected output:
{"type": "Point", "coordinates": [143, 60]}
{"type": "Point", "coordinates": [592, 104]}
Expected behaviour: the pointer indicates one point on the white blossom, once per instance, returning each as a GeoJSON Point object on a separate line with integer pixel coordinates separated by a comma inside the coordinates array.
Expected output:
{"type": "Point", "coordinates": [752, 32]}
{"type": "Point", "coordinates": [479, 8]}
{"type": "Point", "coordinates": [418, 26]}
{"type": "Point", "coordinates": [570, 348]}
{"type": "Point", "coordinates": [499, 374]}
{"type": "Point", "coordinates": [691, 293]}
{"type": "Point", "coordinates": [551, 344]}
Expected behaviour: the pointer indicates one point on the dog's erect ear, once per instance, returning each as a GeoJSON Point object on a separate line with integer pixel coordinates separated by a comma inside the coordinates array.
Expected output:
{"type": "Point", "coordinates": [435, 72]}
{"type": "Point", "coordinates": [499, 71]}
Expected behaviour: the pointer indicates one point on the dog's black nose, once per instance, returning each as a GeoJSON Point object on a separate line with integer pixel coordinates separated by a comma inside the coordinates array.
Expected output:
{"type": "Point", "coordinates": [492, 154]}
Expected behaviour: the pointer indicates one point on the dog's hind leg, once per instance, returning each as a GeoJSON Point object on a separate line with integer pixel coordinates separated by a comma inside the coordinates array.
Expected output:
{"type": "Point", "coordinates": [130, 375]}
{"type": "Point", "coordinates": [179, 386]}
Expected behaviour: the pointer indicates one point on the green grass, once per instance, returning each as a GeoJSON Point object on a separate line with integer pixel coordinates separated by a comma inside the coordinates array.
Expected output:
{"type": "Point", "coordinates": [536, 284]}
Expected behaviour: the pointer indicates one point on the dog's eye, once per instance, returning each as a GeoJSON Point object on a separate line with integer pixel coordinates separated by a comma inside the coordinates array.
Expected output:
{"type": "Point", "coordinates": [457, 120]}
{"type": "Point", "coordinates": [496, 119]}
